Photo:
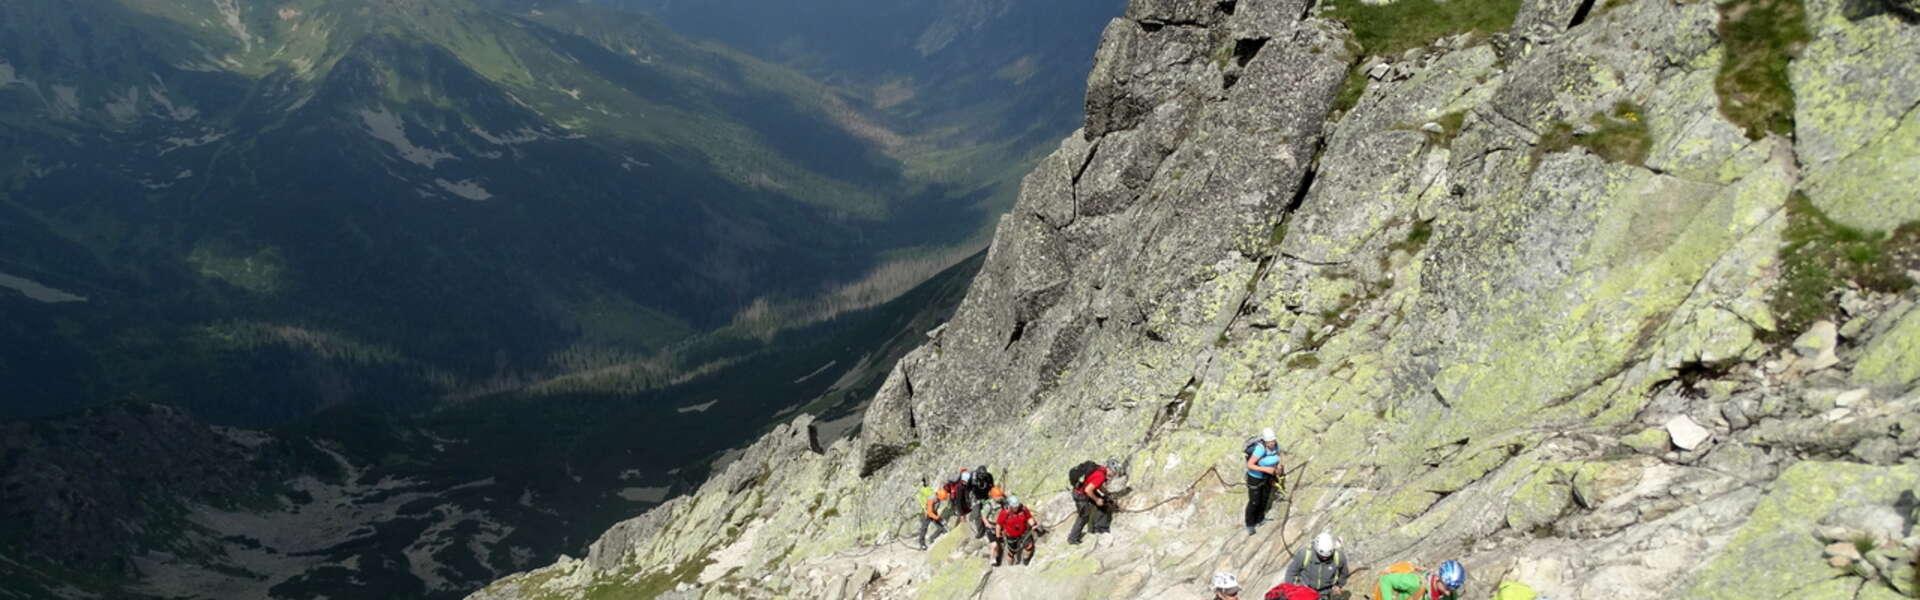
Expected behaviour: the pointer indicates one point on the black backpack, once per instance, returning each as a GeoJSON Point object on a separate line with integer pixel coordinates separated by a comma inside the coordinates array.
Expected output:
{"type": "Point", "coordinates": [982, 481]}
{"type": "Point", "coordinates": [1077, 476]}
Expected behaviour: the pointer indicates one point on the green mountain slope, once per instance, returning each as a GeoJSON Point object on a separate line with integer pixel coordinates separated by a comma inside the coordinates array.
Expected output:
{"type": "Point", "coordinates": [358, 504]}
{"type": "Point", "coordinates": [948, 61]}
{"type": "Point", "coordinates": [411, 199]}
{"type": "Point", "coordinates": [979, 88]}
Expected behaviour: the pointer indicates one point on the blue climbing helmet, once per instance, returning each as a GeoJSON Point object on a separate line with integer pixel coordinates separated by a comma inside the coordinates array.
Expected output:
{"type": "Point", "coordinates": [1453, 575]}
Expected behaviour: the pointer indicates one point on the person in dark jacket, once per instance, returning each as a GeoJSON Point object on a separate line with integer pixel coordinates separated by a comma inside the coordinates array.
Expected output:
{"type": "Point", "coordinates": [1322, 567]}
{"type": "Point", "coordinates": [979, 494]}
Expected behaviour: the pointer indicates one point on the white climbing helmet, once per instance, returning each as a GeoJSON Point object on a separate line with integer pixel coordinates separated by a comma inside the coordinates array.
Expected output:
{"type": "Point", "coordinates": [966, 476]}
{"type": "Point", "coordinates": [1323, 545]}
{"type": "Point", "coordinates": [1266, 435]}
{"type": "Point", "coordinates": [1013, 502]}
{"type": "Point", "coordinates": [1225, 581]}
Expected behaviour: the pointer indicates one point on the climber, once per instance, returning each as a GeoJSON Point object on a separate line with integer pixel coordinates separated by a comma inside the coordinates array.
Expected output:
{"type": "Point", "coordinates": [1225, 587]}
{"type": "Point", "coordinates": [934, 501]}
{"type": "Point", "coordinates": [1404, 582]}
{"type": "Point", "coordinates": [1292, 591]}
{"type": "Point", "coordinates": [1014, 534]}
{"type": "Point", "coordinates": [957, 489]}
{"type": "Point", "coordinates": [1263, 475]}
{"type": "Point", "coordinates": [1093, 508]}
{"type": "Point", "coordinates": [985, 515]}
{"type": "Point", "coordinates": [981, 492]}
{"type": "Point", "coordinates": [985, 510]}
{"type": "Point", "coordinates": [1324, 568]}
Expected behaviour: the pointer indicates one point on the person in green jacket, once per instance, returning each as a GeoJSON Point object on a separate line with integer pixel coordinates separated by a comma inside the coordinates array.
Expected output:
{"type": "Point", "coordinates": [1440, 584]}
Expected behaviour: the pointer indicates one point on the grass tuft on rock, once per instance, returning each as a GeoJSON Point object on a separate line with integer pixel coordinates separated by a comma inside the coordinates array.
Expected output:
{"type": "Point", "coordinates": [1450, 126]}
{"type": "Point", "coordinates": [1821, 257]}
{"type": "Point", "coordinates": [1761, 37]}
{"type": "Point", "coordinates": [1303, 362]}
{"type": "Point", "coordinates": [1352, 89]}
{"type": "Point", "coordinates": [1395, 27]}
{"type": "Point", "coordinates": [1619, 135]}
{"type": "Point", "coordinates": [1417, 236]}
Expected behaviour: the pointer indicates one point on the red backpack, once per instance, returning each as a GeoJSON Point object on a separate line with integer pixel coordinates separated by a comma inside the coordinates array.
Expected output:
{"type": "Point", "coordinates": [1292, 591]}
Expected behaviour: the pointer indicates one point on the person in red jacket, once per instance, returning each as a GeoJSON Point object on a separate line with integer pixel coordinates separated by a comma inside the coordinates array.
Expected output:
{"type": "Point", "coordinates": [1015, 526]}
{"type": "Point", "coordinates": [1094, 509]}
{"type": "Point", "coordinates": [1292, 591]}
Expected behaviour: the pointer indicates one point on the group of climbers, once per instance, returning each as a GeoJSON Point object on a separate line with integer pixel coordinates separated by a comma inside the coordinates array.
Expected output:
{"type": "Point", "coordinates": [1404, 581]}
{"type": "Point", "coordinates": [1320, 571]}
{"type": "Point", "coordinates": [1009, 526]}
{"type": "Point", "coordinates": [1401, 581]}
{"type": "Point", "coordinates": [1314, 573]}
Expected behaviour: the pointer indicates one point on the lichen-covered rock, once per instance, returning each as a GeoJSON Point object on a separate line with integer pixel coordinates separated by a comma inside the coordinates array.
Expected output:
{"type": "Point", "coordinates": [1776, 549]}
{"type": "Point", "coordinates": [1889, 359]}
{"type": "Point", "coordinates": [1857, 115]}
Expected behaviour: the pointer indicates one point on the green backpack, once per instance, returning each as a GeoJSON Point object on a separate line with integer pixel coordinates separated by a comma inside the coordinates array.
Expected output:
{"type": "Point", "coordinates": [1514, 590]}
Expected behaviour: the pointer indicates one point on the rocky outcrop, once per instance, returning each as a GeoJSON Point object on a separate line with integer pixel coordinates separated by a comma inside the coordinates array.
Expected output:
{"type": "Point", "coordinates": [1517, 306]}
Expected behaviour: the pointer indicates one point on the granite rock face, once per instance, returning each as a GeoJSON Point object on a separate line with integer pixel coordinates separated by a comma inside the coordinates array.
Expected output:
{"type": "Point", "coordinates": [1470, 337]}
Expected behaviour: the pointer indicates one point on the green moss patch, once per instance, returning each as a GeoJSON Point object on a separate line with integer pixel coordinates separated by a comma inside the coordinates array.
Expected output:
{"type": "Point", "coordinates": [1351, 91]}
{"type": "Point", "coordinates": [1761, 37]}
{"type": "Point", "coordinates": [1303, 362]}
{"type": "Point", "coordinates": [650, 585]}
{"type": "Point", "coordinates": [1820, 257]}
{"type": "Point", "coordinates": [1398, 26]}
{"type": "Point", "coordinates": [1450, 126]}
{"type": "Point", "coordinates": [1417, 237]}
{"type": "Point", "coordinates": [1619, 135]}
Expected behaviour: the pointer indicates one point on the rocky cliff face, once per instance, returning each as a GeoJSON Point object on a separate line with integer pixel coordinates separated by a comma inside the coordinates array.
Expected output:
{"type": "Point", "coordinates": [1582, 302]}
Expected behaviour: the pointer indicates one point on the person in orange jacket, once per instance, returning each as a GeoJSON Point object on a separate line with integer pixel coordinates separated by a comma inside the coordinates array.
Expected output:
{"type": "Point", "coordinates": [932, 502]}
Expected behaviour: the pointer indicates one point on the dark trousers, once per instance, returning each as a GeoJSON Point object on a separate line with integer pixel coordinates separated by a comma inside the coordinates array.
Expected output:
{"type": "Point", "coordinates": [1259, 499]}
{"type": "Point", "coordinates": [935, 524]}
{"type": "Point", "coordinates": [1088, 517]}
{"type": "Point", "coordinates": [980, 526]}
{"type": "Point", "coordinates": [1018, 550]}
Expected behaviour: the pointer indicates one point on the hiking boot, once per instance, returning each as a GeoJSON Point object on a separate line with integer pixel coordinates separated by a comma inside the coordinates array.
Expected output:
{"type": "Point", "coordinates": [1249, 530]}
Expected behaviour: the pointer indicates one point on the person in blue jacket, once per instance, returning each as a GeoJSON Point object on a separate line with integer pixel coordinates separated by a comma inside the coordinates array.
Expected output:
{"type": "Point", "coordinates": [1263, 474]}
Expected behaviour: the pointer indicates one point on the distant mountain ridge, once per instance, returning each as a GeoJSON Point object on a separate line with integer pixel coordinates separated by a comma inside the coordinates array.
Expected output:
{"type": "Point", "coordinates": [944, 61]}
{"type": "Point", "coordinates": [427, 195]}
